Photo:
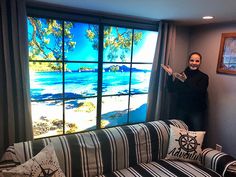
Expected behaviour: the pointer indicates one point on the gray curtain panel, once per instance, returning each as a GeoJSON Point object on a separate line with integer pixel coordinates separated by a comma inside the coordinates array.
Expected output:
{"type": "Point", "coordinates": [15, 111]}
{"type": "Point", "coordinates": [158, 106]}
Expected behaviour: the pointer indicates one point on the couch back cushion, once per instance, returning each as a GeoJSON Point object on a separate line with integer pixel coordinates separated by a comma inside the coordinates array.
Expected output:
{"type": "Point", "coordinates": [103, 151]}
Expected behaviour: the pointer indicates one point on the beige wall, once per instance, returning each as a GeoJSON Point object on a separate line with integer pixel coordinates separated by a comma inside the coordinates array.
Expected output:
{"type": "Point", "coordinates": [222, 88]}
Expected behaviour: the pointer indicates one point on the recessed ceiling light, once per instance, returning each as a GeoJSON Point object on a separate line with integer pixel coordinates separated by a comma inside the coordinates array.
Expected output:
{"type": "Point", "coordinates": [208, 17]}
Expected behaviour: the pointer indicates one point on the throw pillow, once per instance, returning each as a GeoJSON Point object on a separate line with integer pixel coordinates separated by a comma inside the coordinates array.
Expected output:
{"type": "Point", "coordinates": [44, 164]}
{"type": "Point", "coordinates": [185, 145]}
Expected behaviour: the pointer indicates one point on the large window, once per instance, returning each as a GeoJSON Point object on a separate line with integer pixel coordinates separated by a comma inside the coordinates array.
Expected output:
{"type": "Point", "coordinates": [85, 76]}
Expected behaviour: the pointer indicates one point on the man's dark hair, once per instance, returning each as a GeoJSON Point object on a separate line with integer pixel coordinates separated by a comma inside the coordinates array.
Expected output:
{"type": "Point", "coordinates": [196, 54]}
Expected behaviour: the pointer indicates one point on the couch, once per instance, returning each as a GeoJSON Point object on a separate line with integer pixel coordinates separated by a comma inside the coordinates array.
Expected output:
{"type": "Point", "coordinates": [130, 150]}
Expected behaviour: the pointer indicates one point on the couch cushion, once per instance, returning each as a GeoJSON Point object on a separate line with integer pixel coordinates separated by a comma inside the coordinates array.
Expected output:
{"type": "Point", "coordinates": [164, 168]}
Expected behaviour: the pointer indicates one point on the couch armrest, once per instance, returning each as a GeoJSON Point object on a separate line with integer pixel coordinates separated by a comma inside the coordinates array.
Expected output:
{"type": "Point", "coordinates": [220, 162]}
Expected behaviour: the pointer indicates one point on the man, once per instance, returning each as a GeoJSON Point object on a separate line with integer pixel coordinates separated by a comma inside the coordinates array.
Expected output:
{"type": "Point", "coordinates": [190, 88]}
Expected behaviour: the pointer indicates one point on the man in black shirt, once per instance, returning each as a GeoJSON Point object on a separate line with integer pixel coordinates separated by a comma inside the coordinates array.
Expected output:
{"type": "Point", "coordinates": [190, 88]}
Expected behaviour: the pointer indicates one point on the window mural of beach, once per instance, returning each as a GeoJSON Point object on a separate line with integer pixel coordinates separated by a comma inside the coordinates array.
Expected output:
{"type": "Point", "coordinates": [70, 85]}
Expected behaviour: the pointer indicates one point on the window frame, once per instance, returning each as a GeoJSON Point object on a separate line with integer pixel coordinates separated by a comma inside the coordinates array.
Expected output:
{"type": "Point", "coordinates": [101, 20]}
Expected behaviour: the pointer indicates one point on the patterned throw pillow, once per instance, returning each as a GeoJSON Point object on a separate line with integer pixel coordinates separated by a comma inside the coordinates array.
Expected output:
{"type": "Point", "coordinates": [44, 164]}
{"type": "Point", "coordinates": [185, 145]}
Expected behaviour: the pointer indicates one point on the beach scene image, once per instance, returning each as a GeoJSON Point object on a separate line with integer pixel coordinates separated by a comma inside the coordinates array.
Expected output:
{"type": "Point", "coordinates": [69, 82]}
{"type": "Point", "coordinates": [229, 54]}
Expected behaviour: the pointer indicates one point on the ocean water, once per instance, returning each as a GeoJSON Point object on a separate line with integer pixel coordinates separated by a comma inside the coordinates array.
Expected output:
{"type": "Point", "coordinates": [81, 87]}
{"type": "Point", "coordinates": [48, 85]}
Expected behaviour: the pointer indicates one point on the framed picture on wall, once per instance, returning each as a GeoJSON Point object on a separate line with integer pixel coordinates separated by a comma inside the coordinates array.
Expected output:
{"type": "Point", "coordinates": [227, 54]}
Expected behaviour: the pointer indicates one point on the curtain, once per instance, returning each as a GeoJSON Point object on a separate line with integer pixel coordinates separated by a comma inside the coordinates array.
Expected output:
{"type": "Point", "coordinates": [158, 101]}
{"type": "Point", "coordinates": [15, 112]}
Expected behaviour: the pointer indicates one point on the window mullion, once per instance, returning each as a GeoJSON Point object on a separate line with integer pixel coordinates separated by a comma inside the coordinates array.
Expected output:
{"type": "Point", "coordinates": [130, 78]}
{"type": "Point", "coordinates": [63, 75]}
{"type": "Point", "coordinates": [100, 65]}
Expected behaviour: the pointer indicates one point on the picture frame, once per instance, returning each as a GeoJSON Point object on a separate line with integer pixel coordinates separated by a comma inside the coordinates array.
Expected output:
{"type": "Point", "coordinates": [227, 54]}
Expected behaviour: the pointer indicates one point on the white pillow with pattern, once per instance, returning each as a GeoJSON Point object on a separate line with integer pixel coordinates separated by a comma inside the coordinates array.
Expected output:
{"type": "Point", "coordinates": [185, 145]}
{"type": "Point", "coordinates": [45, 163]}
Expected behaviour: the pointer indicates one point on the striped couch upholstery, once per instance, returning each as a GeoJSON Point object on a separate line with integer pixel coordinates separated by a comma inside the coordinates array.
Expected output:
{"type": "Point", "coordinates": [218, 161]}
{"type": "Point", "coordinates": [131, 150]}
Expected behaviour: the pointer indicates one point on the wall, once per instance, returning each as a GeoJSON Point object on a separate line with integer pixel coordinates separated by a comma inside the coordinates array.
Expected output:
{"type": "Point", "coordinates": [222, 88]}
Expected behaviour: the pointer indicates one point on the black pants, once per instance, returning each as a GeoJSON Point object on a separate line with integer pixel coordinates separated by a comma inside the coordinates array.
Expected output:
{"type": "Point", "coordinates": [194, 120]}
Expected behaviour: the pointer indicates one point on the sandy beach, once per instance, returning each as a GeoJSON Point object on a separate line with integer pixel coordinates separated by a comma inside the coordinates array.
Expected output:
{"type": "Point", "coordinates": [48, 121]}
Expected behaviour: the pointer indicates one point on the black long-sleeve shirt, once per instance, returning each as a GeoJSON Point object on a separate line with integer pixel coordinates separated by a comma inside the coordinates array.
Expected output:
{"type": "Point", "coordinates": [191, 94]}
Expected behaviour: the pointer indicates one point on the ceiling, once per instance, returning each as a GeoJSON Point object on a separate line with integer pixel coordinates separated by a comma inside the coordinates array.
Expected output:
{"type": "Point", "coordinates": [187, 12]}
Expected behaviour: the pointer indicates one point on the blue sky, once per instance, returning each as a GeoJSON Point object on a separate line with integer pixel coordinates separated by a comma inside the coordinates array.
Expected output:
{"type": "Point", "coordinates": [83, 51]}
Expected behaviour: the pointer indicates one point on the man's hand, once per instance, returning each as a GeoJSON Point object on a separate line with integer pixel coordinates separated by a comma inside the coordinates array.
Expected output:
{"type": "Point", "coordinates": [167, 69]}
